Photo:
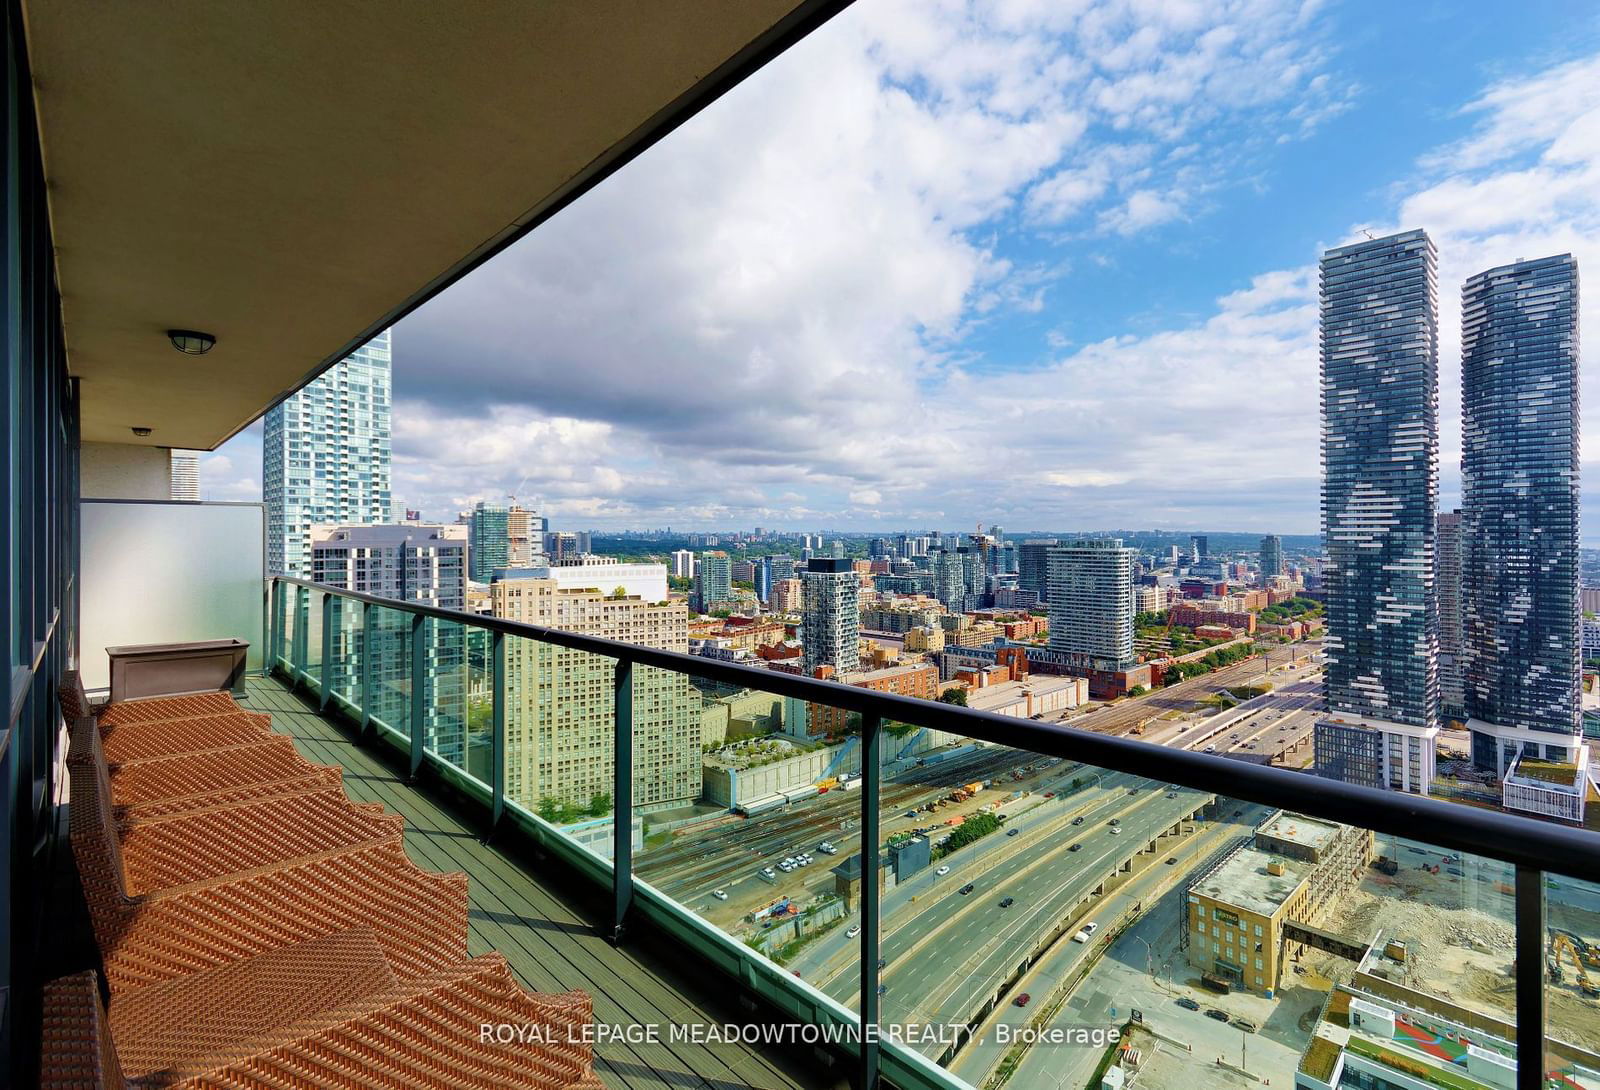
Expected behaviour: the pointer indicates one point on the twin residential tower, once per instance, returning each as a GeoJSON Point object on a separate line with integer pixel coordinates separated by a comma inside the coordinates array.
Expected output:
{"type": "Point", "coordinates": [1517, 670]}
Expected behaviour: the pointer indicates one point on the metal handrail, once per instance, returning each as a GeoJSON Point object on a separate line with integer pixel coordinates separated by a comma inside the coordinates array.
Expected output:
{"type": "Point", "coordinates": [1534, 848]}
{"type": "Point", "coordinates": [1524, 842]}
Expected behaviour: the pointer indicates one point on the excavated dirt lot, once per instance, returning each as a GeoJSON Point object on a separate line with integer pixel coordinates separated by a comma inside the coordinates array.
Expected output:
{"type": "Point", "coordinates": [1460, 944]}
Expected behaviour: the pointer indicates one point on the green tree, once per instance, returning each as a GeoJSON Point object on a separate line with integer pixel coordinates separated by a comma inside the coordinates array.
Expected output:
{"type": "Point", "coordinates": [954, 695]}
{"type": "Point", "coordinates": [975, 827]}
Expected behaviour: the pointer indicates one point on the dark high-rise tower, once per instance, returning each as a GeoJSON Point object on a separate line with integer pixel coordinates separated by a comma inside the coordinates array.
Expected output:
{"type": "Point", "coordinates": [1271, 557]}
{"type": "Point", "coordinates": [489, 546]}
{"type": "Point", "coordinates": [1452, 646]}
{"type": "Point", "coordinates": [1033, 566]}
{"type": "Point", "coordinates": [1380, 452]}
{"type": "Point", "coordinates": [1519, 480]}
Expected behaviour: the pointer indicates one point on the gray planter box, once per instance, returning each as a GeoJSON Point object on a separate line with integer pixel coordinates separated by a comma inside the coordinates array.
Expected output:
{"type": "Point", "coordinates": [168, 669]}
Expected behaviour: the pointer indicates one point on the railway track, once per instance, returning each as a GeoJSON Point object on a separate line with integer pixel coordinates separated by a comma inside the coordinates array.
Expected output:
{"type": "Point", "coordinates": [734, 850]}
{"type": "Point", "coordinates": [726, 853]}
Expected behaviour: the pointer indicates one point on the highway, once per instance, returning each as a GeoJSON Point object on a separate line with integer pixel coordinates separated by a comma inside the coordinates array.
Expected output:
{"type": "Point", "coordinates": [981, 1055]}
{"type": "Point", "coordinates": [951, 977]}
{"type": "Point", "coordinates": [1124, 715]}
{"type": "Point", "coordinates": [1045, 1066]}
{"type": "Point", "coordinates": [834, 953]}
{"type": "Point", "coordinates": [1269, 722]}
{"type": "Point", "coordinates": [727, 856]}
{"type": "Point", "coordinates": [1273, 725]}
{"type": "Point", "coordinates": [943, 961]}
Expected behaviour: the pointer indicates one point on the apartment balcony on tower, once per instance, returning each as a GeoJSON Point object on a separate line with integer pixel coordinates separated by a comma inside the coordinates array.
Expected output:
{"type": "Point", "coordinates": [306, 793]}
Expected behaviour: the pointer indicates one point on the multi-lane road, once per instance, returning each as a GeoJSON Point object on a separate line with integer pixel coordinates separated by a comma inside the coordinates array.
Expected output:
{"type": "Point", "coordinates": [728, 856]}
{"type": "Point", "coordinates": [1185, 696]}
{"type": "Point", "coordinates": [946, 953]}
{"type": "Point", "coordinates": [1061, 966]}
{"type": "Point", "coordinates": [1277, 725]}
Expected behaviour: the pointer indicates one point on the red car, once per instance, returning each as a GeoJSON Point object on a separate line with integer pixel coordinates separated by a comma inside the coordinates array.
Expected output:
{"type": "Point", "coordinates": [1022, 1000]}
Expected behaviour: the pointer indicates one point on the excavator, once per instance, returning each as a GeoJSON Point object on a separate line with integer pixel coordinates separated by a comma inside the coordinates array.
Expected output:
{"type": "Point", "coordinates": [1561, 944]}
{"type": "Point", "coordinates": [1588, 953]}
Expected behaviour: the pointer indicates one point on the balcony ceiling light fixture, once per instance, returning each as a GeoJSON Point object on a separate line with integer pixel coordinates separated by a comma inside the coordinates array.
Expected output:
{"type": "Point", "coordinates": [191, 342]}
{"type": "Point", "coordinates": [140, 432]}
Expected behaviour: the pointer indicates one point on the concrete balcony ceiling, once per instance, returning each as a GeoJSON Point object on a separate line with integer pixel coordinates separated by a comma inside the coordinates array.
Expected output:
{"type": "Point", "coordinates": [293, 177]}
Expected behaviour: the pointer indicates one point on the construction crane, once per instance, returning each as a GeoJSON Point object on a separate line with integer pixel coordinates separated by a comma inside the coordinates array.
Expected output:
{"type": "Point", "coordinates": [1560, 944]}
{"type": "Point", "coordinates": [512, 496]}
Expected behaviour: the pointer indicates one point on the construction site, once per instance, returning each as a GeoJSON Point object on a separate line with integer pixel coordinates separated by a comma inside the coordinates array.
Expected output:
{"type": "Point", "coordinates": [1264, 898]}
{"type": "Point", "coordinates": [1442, 939]}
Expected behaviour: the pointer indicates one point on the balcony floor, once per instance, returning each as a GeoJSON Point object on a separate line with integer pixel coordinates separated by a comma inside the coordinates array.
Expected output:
{"type": "Point", "coordinates": [546, 935]}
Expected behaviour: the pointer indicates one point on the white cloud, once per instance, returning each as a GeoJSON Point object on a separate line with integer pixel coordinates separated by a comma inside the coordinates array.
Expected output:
{"type": "Point", "coordinates": [1143, 209]}
{"type": "Point", "coordinates": [769, 318]}
{"type": "Point", "coordinates": [1523, 114]}
{"type": "Point", "coordinates": [778, 298]}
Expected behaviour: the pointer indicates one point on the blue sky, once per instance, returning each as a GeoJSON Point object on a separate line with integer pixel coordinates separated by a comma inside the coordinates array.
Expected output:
{"type": "Point", "coordinates": [1048, 264]}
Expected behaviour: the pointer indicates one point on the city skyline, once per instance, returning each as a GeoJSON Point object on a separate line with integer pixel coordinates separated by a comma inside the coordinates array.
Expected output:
{"type": "Point", "coordinates": [1198, 314]}
{"type": "Point", "coordinates": [1025, 544]}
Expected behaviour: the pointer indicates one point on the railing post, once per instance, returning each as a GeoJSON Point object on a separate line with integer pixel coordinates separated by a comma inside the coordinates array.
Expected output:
{"type": "Point", "coordinates": [327, 653]}
{"type": "Point", "coordinates": [419, 667]}
{"type": "Point", "coordinates": [1530, 944]}
{"type": "Point", "coordinates": [274, 623]}
{"type": "Point", "coordinates": [366, 668]}
{"type": "Point", "coordinates": [871, 895]}
{"type": "Point", "coordinates": [497, 744]}
{"type": "Point", "coordinates": [302, 613]}
{"type": "Point", "coordinates": [622, 800]}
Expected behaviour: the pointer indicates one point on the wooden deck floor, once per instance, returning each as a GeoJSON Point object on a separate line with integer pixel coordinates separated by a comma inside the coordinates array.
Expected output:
{"type": "Point", "coordinates": [543, 930]}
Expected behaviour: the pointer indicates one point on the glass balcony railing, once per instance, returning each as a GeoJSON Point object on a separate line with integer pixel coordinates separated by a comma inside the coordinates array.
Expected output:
{"type": "Point", "coordinates": [963, 899]}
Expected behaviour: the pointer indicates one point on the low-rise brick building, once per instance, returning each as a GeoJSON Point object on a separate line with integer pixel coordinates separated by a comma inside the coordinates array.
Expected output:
{"type": "Point", "coordinates": [916, 679]}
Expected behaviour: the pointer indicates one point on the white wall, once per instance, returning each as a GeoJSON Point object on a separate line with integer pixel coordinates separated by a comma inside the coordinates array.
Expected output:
{"type": "Point", "coordinates": [124, 471]}
{"type": "Point", "coordinates": [169, 572]}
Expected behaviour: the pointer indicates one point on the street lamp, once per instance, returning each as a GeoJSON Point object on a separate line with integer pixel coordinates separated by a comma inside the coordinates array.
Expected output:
{"type": "Point", "coordinates": [1149, 955]}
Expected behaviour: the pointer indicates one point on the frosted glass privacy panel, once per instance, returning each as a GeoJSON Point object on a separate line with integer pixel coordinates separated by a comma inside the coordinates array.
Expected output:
{"type": "Point", "coordinates": [161, 572]}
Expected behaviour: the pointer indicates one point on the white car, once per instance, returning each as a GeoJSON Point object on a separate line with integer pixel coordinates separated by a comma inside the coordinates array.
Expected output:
{"type": "Point", "coordinates": [855, 929]}
{"type": "Point", "coordinates": [720, 894]}
{"type": "Point", "coordinates": [942, 871]}
{"type": "Point", "coordinates": [1091, 927]}
{"type": "Point", "coordinates": [1115, 831]}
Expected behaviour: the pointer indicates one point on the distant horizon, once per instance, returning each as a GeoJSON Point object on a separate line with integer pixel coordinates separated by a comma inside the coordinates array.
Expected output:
{"type": "Point", "coordinates": [1297, 538]}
